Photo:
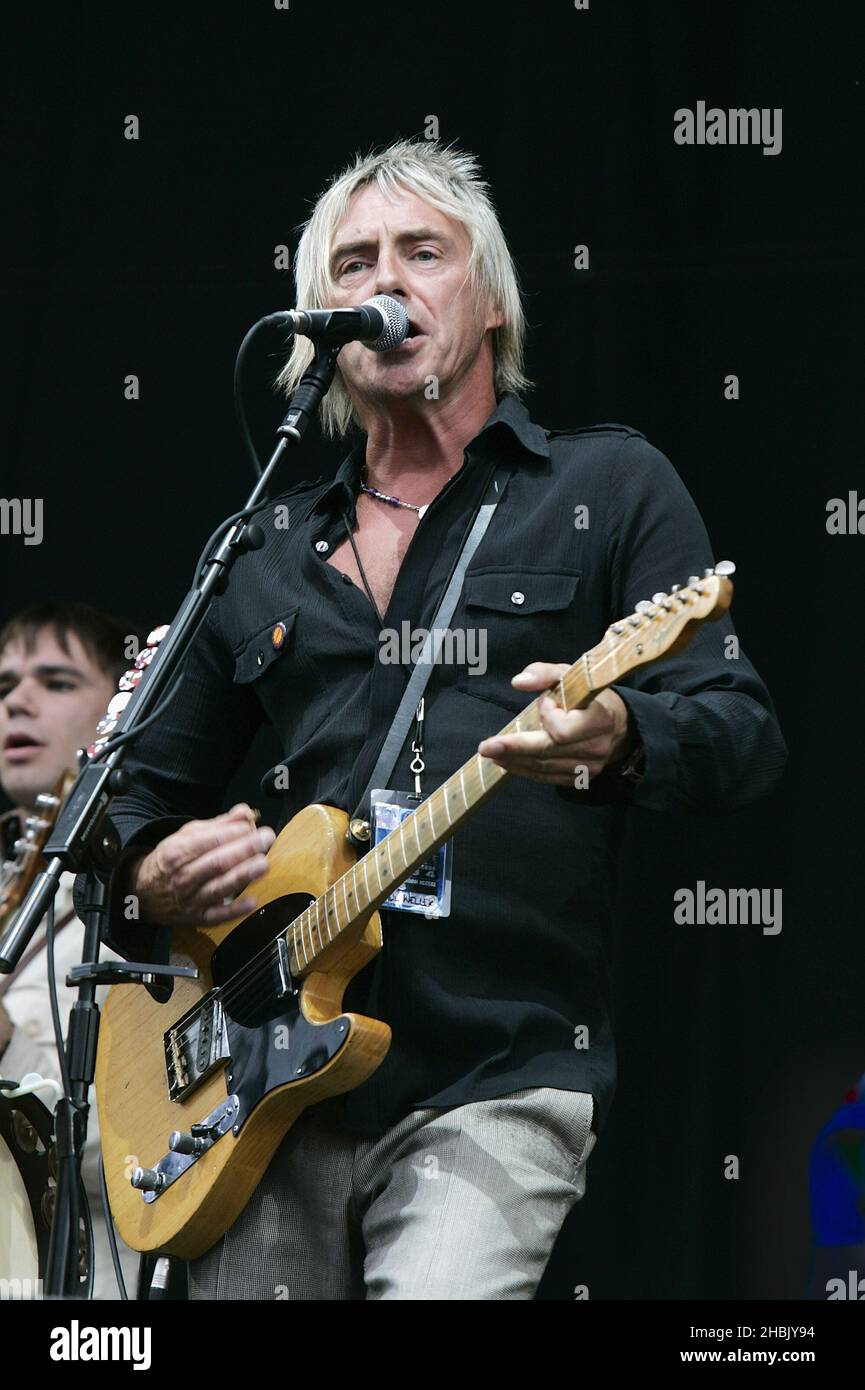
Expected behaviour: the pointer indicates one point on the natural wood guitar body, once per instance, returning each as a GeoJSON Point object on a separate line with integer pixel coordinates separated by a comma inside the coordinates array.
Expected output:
{"type": "Point", "coordinates": [136, 1115]}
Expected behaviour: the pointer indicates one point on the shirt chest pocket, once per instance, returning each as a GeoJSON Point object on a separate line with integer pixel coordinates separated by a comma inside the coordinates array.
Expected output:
{"type": "Point", "coordinates": [265, 656]}
{"type": "Point", "coordinates": [514, 616]}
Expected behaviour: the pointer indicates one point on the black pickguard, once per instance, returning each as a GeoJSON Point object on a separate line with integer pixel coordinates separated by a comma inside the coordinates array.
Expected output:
{"type": "Point", "coordinates": [269, 1039]}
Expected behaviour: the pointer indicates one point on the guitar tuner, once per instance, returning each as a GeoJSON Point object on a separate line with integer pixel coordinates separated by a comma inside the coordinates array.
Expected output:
{"type": "Point", "coordinates": [724, 568]}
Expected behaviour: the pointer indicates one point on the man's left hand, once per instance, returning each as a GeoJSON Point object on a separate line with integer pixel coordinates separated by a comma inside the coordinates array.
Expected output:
{"type": "Point", "coordinates": [593, 738]}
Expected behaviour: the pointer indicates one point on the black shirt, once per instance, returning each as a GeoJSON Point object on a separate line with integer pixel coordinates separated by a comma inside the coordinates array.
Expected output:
{"type": "Point", "coordinates": [511, 990]}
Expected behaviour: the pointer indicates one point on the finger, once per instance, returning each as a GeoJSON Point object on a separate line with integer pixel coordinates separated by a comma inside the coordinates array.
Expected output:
{"type": "Point", "coordinates": [242, 811]}
{"type": "Point", "coordinates": [224, 857]}
{"type": "Point", "coordinates": [559, 767]}
{"type": "Point", "coordinates": [534, 744]}
{"type": "Point", "coordinates": [224, 912]}
{"type": "Point", "coordinates": [199, 838]}
{"type": "Point", "coordinates": [223, 890]}
{"type": "Point", "coordinates": [562, 774]}
{"type": "Point", "coordinates": [573, 726]}
{"type": "Point", "coordinates": [539, 674]}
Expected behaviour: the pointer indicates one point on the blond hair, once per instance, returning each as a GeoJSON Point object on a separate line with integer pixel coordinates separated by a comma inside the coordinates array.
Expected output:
{"type": "Point", "coordinates": [449, 180]}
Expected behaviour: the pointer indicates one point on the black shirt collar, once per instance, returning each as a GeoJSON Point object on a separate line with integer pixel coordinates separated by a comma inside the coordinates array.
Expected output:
{"type": "Point", "coordinates": [510, 417]}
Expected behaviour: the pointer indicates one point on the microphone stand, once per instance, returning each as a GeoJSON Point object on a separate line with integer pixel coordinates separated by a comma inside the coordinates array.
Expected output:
{"type": "Point", "coordinates": [85, 839]}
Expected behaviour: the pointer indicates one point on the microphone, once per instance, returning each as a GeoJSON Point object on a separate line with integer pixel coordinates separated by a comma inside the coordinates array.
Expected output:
{"type": "Point", "coordinates": [381, 323]}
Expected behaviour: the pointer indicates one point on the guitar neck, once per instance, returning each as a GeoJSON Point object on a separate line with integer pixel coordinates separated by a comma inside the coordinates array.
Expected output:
{"type": "Point", "coordinates": [370, 882]}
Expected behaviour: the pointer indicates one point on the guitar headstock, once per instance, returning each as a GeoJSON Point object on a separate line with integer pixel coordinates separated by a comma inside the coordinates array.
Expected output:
{"type": "Point", "coordinates": [17, 874]}
{"type": "Point", "coordinates": [666, 622]}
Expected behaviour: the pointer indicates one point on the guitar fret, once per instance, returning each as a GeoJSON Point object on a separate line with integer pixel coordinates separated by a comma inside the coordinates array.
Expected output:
{"type": "Point", "coordinates": [480, 762]}
{"type": "Point", "coordinates": [431, 821]}
{"type": "Point", "coordinates": [389, 860]}
{"type": "Point", "coordinates": [463, 789]}
{"type": "Point", "coordinates": [354, 881]}
{"type": "Point", "coordinates": [415, 822]}
{"type": "Point", "coordinates": [366, 880]}
{"type": "Point", "coordinates": [402, 843]}
{"type": "Point", "coordinates": [447, 808]}
{"type": "Point", "coordinates": [345, 898]}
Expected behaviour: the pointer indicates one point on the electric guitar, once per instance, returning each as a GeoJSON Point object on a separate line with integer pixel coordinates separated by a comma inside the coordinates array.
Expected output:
{"type": "Point", "coordinates": [198, 1081]}
{"type": "Point", "coordinates": [18, 872]}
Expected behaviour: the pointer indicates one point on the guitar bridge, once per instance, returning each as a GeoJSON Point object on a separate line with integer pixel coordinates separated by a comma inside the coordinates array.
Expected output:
{"type": "Point", "coordinates": [195, 1046]}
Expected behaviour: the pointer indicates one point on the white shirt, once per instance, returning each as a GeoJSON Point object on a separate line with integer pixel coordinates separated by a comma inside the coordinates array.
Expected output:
{"type": "Point", "coordinates": [31, 1049]}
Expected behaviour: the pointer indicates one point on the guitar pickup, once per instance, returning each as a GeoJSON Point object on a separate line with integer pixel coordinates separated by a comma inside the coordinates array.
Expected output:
{"type": "Point", "coordinates": [195, 1046]}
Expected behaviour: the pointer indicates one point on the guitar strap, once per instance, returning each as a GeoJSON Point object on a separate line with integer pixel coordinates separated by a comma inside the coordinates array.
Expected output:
{"type": "Point", "coordinates": [358, 832]}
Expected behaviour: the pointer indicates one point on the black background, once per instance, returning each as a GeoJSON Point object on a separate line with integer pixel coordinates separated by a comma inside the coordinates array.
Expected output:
{"type": "Point", "coordinates": [153, 256]}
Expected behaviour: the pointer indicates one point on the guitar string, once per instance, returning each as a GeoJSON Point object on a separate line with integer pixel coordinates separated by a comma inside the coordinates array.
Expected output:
{"type": "Point", "coordinates": [259, 970]}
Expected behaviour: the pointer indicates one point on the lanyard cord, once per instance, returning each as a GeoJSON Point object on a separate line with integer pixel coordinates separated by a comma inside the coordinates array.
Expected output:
{"type": "Point", "coordinates": [418, 764]}
{"type": "Point", "coordinates": [369, 592]}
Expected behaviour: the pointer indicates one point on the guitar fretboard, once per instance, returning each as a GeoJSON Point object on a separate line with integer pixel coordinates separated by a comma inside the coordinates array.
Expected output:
{"type": "Point", "coordinates": [369, 882]}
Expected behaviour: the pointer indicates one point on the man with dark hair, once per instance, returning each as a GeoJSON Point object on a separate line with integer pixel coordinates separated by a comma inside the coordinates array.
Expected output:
{"type": "Point", "coordinates": [59, 667]}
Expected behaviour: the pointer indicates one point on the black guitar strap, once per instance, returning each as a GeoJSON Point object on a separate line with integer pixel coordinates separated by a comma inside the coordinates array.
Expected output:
{"type": "Point", "coordinates": [359, 825]}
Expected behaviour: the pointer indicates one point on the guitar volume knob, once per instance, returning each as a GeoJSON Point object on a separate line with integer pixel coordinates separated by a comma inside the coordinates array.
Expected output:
{"type": "Point", "coordinates": [179, 1142]}
{"type": "Point", "coordinates": [147, 1180]}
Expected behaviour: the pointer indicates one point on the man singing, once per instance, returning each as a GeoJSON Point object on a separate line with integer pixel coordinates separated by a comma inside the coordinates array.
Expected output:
{"type": "Point", "coordinates": [449, 1172]}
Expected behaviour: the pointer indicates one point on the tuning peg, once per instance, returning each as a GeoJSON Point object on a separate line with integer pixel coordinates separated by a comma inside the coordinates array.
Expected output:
{"type": "Point", "coordinates": [675, 589]}
{"type": "Point", "coordinates": [707, 574]}
{"type": "Point", "coordinates": [693, 579]}
{"type": "Point", "coordinates": [725, 567]}
{"type": "Point", "coordinates": [658, 598]}
{"type": "Point", "coordinates": [644, 606]}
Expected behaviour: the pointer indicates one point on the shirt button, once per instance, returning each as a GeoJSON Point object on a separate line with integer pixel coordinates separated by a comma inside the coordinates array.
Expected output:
{"type": "Point", "coordinates": [321, 547]}
{"type": "Point", "coordinates": [517, 597]}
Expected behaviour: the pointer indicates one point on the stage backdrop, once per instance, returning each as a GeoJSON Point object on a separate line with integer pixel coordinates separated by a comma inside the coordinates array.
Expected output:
{"type": "Point", "coordinates": [158, 160]}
